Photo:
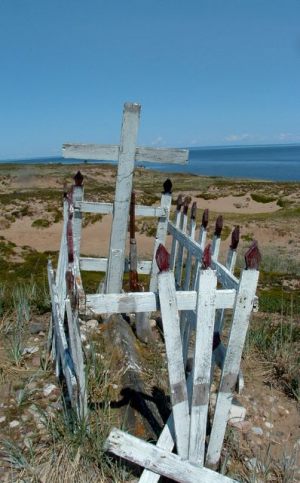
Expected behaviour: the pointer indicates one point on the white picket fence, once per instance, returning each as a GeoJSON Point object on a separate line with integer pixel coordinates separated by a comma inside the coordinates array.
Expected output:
{"type": "Point", "coordinates": [192, 291]}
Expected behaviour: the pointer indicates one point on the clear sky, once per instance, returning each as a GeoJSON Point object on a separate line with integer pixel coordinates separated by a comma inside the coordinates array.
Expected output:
{"type": "Point", "coordinates": [207, 72]}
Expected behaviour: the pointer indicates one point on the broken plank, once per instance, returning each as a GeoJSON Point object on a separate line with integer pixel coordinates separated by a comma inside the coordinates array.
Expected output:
{"type": "Point", "coordinates": [158, 460]}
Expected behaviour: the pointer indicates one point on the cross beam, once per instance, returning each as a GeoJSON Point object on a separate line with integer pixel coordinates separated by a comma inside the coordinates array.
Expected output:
{"type": "Point", "coordinates": [126, 154]}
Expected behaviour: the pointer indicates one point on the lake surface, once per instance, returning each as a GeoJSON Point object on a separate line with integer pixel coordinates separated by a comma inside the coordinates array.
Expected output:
{"type": "Point", "coordinates": [272, 162]}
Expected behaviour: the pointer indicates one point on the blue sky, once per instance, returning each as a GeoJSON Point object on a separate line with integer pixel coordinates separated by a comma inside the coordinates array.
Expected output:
{"type": "Point", "coordinates": [210, 72]}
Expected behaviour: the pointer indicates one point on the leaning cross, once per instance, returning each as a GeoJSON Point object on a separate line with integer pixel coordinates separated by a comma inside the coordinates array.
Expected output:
{"type": "Point", "coordinates": [126, 154]}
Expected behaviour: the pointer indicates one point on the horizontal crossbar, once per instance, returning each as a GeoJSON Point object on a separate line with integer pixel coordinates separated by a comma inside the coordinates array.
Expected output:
{"type": "Point", "coordinates": [110, 152]}
{"type": "Point", "coordinates": [90, 264]}
{"type": "Point", "coordinates": [107, 208]}
{"type": "Point", "coordinates": [149, 302]}
{"type": "Point", "coordinates": [227, 279]}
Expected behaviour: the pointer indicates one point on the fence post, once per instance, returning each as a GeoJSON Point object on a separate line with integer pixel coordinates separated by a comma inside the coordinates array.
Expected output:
{"type": "Point", "coordinates": [183, 227]}
{"type": "Point", "coordinates": [205, 317]}
{"type": "Point", "coordinates": [241, 316]}
{"type": "Point", "coordinates": [116, 259]}
{"type": "Point", "coordinates": [77, 197]}
{"type": "Point", "coordinates": [161, 232]}
{"type": "Point", "coordinates": [171, 326]}
{"type": "Point", "coordinates": [177, 223]}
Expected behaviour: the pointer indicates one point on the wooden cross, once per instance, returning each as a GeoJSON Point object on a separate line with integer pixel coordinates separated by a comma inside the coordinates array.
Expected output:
{"type": "Point", "coordinates": [127, 153]}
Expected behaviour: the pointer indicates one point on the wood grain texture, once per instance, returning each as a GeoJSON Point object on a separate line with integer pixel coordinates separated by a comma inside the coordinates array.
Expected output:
{"type": "Point", "coordinates": [91, 264]}
{"type": "Point", "coordinates": [205, 317]}
{"type": "Point", "coordinates": [240, 321]}
{"type": "Point", "coordinates": [107, 208]}
{"type": "Point", "coordinates": [171, 327]}
{"type": "Point", "coordinates": [116, 259]}
{"type": "Point", "coordinates": [110, 152]}
{"type": "Point", "coordinates": [149, 301]}
{"type": "Point", "coordinates": [159, 460]}
{"type": "Point", "coordinates": [227, 279]}
{"type": "Point", "coordinates": [161, 234]}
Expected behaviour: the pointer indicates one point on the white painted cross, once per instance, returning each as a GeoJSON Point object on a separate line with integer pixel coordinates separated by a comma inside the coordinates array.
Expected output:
{"type": "Point", "coordinates": [127, 153]}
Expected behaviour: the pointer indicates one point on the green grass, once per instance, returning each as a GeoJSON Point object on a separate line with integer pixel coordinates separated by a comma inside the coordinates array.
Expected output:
{"type": "Point", "coordinates": [277, 341]}
{"type": "Point", "coordinates": [261, 198]}
{"type": "Point", "coordinates": [41, 223]}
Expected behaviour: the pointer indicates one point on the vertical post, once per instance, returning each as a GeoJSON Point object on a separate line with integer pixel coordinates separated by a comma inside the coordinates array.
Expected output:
{"type": "Point", "coordinates": [170, 319]}
{"type": "Point", "coordinates": [192, 229]}
{"type": "Point", "coordinates": [201, 241]}
{"type": "Point", "coordinates": [241, 316]}
{"type": "Point", "coordinates": [77, 218]}
{"type": "Point", "coordinates": [205, 316]}
{"type": "Point", "coordinates": [116, 259]}
{"type": "Point", "coordinates": [161, 232]}
{"type": "Point", "coordinates": [183, 227]}
{"type": "Point", "coordinates": [217, 238]}
{"type": "Point", "coordinates": [178, 218]}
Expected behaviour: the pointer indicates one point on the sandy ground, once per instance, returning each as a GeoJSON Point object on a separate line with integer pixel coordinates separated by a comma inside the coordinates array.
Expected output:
{"type": "Point", "coordinates": [95, 237]}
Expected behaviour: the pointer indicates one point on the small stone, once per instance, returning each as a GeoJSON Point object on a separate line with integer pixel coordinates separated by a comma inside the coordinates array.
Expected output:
{"type": "Point", "coordinates": [48, 389]}
{"type": "Point", "coordinates": [237, 412]}
{"type": "Point", "coordinates": [2, 419]}
{"type": "Point", "coordinates": [24, 418]}
{"type": "Point", "coordinates": [243, 426]}
{"type": "Point", "coordinates": [14, 424]}
{"type": "Point", "coordinates": [42, 334]}
{"type": "Point", "coordinates": [83, 337]}
{"type": "Point", "coordinates": [152, 323]}
{"type": "Point", "coordinates": [257, 430]}
{"type": "Point", "coordinates": [30, 350]}
{"type": "Point", "coordinates": [269, 425]}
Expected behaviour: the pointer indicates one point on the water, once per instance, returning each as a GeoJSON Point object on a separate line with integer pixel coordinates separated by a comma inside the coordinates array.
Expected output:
{"type": "Point", "coordinates": [274, 162]}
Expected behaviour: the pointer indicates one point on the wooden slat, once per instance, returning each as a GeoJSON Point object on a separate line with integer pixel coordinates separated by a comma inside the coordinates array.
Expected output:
{"type": "Point", "coordinates": [107, 208]}
{"type": "Point", "coordinates": [116, 259]}
{"type": "Point", "coordinates": [171, 327]}
{"type": "Point", "coordinates": [205, 316]}
{"type": "Point", "coordinates": [241, 315]}
{"type": "Point", "coordinates": [174, 247]}
{"type": "Point", "coordinates": [227, 279]}
{"type": "Point", "coordinates": [149, 302]}
{"type": "Point", "coordinates": [179, 260]}
{"type": "Point", "coordinates": [161, 233]}
{"type": "Point", "coordinates": [77, 218]}
{"type": "Point", "coordinates": [91, 264]}
{"type": "Point", "coordinates": [62, 350]}
{"type": "Point", "coordinates": [158, 460]}
{"type": "Point", "coordinates": [77, 356]}
{"type": "Point", "coordinates": [110, 152]}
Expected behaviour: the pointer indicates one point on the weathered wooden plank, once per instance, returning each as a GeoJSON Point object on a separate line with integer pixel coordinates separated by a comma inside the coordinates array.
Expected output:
{"type": "Point", "coordinates": [241, 315]}
{"type": "Point", "coordinates": [77, 218]}
{"type": "Point", "coordinates": [77, 356]}
{"type": "Point", "coordinates": [62, 350]}
{"type": "Point", "coordinates": [107, 208]}
{"type": "Point", "coordinates": [116, 259]}
{"type": "Point", "coordinates": [227, 279]}
{"type": "Point", "coordinates": [205, 317]}
{"type": "Point", "coordinates": [60, 278]}
{"type": "Point", "coordinates": [171, 326]}
{"type": "Point", "coordinates": [174, 247]}
{"type": "Point", "coordinates": [158, 460]}
{"type": "Point", "coordinates": [179, 261]}
{"type": "Point", "coordinates": [161, 233]}
{"type": "Point", "coordinates": [110, 152]}
{"type": "Point", "coordinates": [149, 301]}
{"type": "Point", "coordinates": [91, 264]}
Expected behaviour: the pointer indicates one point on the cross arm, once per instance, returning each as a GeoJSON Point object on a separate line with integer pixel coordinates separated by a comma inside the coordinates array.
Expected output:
{"type": "Point", "coordinates": [110, 152]}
